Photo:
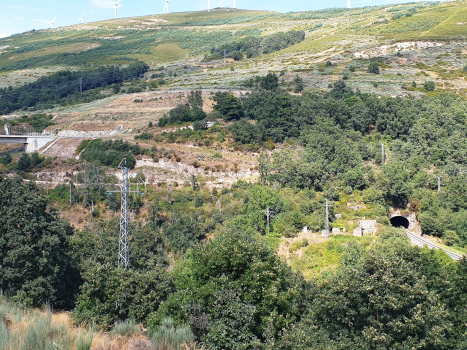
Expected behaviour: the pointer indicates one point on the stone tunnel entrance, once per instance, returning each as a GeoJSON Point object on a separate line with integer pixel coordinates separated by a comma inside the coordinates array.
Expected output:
{"type": "Point", "coordinates": [399, 221]}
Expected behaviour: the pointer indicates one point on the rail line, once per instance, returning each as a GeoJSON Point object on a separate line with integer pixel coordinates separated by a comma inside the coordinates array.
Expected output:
{"type": "Point", "coordinates": [421, 242]}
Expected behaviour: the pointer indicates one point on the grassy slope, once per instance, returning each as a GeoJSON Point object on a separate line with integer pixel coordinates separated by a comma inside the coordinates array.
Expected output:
{"type": "Point", "coordinates": [430, 22]}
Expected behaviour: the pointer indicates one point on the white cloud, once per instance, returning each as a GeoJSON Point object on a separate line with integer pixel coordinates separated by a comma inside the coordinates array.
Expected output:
{"type": "Point", "coordinates": [104, 4]}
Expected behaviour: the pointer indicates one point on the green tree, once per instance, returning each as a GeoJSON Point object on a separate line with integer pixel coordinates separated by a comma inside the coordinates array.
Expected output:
{"type": "Point", "coordinates": [299, 85]}
{"type": "Point", "coordinates": [34, 252]}
{"type": "Point", "coordinates": [110, 294]}
{"type": "Point", "coordinates": [269, 82]}
{"type": "Point", "coordinates": [429, 85]}
{"type": "Point", "coordinates": [233, 291]}
{"type": "Point", "coordinates": [195, 99]}
{"type": "Point", "coordinates": [7, 159]}
{"type": "Point", "coordinates": [229, 106]}
{"type": "Point", "coordinates": [465, 68]}
{"type": "Point", "coordinates": [382, 302]}
{"type": "Point", "coordinates": [373, 67]}
{"type": "Point", "coordinates": [24, 162]}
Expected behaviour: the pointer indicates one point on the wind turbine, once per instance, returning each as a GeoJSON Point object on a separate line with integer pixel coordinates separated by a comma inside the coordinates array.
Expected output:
{"type": "Point", "coordinates": [82, 17]}
{"type": "Point", "coordinates": [116, 4]}
{"type": "Point", "coordinates": [52, 23]}
{"type": "Point", "coordinates": [166, 7]}
{"type": "Point", "coordinates": [348, 12]}
{"type": "Point", "coordinates": [236, 6]}
{"type": "Point", "coordinates": [209, 5]}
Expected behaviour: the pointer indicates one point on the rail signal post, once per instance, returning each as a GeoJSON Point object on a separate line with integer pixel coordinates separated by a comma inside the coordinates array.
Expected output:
{"type": "Point", "coordinates": [124, 241]}
{"type": "Point", "coordinates": [326, 222]}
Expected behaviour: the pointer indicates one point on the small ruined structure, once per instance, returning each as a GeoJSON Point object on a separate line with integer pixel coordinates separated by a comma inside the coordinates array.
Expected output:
{"type": "Point", "coordinates": [365, 227]}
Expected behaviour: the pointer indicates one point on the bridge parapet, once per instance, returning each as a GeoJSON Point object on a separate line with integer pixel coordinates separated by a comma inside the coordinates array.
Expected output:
{"type": "Point", "coordinates": [32, 143]}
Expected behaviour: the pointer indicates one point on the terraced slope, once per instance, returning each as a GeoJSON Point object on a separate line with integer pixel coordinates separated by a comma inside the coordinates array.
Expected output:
{"type": "Point", "coordinates": [413, 43]}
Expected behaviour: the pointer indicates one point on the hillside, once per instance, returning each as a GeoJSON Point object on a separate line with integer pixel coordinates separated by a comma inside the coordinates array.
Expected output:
{"type": "Point", "coordinates": [413, 42]}
{"type": "Point", "coordinates": [276, 164]}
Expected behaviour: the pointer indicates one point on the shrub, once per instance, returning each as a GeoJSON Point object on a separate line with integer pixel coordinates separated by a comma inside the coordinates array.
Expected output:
{"type": "Point", "coordinates": [429, 86]}
{"type": "Point", "coordinates": [170, 337]}
{"type": "Point", "coordinates": [373, 67]}
{"type": "Point", "coordinates": [451, 238]}
{"type": "Point", "coordinates": [299, 84]}
{"type": "Point", "coordinates": [106, 287]}
{"type": "Point", "coordinates": [465, 68]}
{"type": "Point", "coordinates": [126, 328]}
{"type": "Point", "coordinates": [84, 340]}
{"type": "Point", "coordinates": [144, 136]}
{"type": "Point", "coordinates": [236, 55]}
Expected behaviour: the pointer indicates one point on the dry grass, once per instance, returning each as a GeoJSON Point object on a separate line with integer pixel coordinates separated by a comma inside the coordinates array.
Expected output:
{"type": "Point", "coordinates": [43, 330]}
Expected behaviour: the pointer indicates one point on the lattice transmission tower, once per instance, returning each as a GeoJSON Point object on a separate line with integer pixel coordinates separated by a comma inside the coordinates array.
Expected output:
{"type": "Point", "coordinates": [124, 241]}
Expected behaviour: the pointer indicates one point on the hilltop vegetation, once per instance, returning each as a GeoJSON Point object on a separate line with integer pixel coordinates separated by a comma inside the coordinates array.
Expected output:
{"type": "Point", "coordinates": [259, 41]}
{"type": "Point", "coordinates": [229, 186]}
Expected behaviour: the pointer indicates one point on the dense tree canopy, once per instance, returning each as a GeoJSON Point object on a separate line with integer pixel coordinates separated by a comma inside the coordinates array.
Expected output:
{"type": "Point", "coordinates": [34, 251]}
{"type": "Point", "coordinates": [64, 87]}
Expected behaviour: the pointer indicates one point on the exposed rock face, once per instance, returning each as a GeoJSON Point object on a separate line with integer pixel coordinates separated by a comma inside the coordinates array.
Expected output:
{"type": "Point", "coordinates": [388, 49]}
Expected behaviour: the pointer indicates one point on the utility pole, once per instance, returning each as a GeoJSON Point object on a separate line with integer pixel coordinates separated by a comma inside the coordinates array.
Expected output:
{"type": "Point", "coordinates": [70, 192]}
{"type": "Point", "coordinates": [225, 53]}
{"type": "Point", "coordinates": [268, 215]}
{"type": "Point", "coordinates": [169, 192]}
{"type": "Point", "coordinates": [382, 153]}
{"type": "Point", "coordinates": [439, 184]}
{"type": "Point", "coordinates": [220, 206]}
{"type": "Point", "coordinates": [124, 241]}
{"type": "Point", "coordinates": [81, 85]}
{"type": "Point", "coordinates": [326, 224]}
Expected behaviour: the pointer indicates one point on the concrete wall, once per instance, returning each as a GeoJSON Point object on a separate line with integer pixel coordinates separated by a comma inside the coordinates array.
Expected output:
{"type": "Point", "coordinates": [34, 144]}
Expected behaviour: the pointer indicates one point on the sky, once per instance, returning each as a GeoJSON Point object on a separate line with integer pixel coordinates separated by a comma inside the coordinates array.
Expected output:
{"type": "Point", "coordinates": [23, 15]}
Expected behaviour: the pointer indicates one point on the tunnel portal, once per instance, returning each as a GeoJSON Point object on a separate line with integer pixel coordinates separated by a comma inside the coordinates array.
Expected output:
{"type": "Point", "coordinates": [399, 221]}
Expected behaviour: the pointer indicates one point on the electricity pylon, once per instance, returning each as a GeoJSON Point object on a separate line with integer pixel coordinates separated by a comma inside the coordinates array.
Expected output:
{"type": "Point", "coordinates": [124, 241]}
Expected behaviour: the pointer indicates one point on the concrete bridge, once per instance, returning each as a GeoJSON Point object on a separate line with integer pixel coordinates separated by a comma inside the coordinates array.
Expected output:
{"type": "Point", "coordinates": [32, 142]}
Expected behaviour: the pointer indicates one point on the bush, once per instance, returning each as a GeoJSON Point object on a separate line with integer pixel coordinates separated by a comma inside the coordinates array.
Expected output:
{"type": "Point", "coordinates": [373, 67]}
{"type": "Point", "coordinates": [105, 298]}
{"type": "Point", "coordinates": [236, 55]}
{"type": "Point", "coordinates": [465, 68]}
{"type": "Point", "coordinates": [299, 84]}
{"type": "Point", "coordinates": [237, 289]}
{"type": "Point", "coordinates": [144, 136]}
{"type": "Point", "coordinates": [126, 328]}
{"type": "Point", "coordinates": [170, 337]}
{"type": "Point", "coordinates": [84, 340]}
{"type": "Point", "coordinates": [36, 268]}
{"type": "Point", "coordinates": [451, 238]}
{"type": "Point", "coordinates": [429, 86]}
{"type": "Point", "coordinates": [111, 153]}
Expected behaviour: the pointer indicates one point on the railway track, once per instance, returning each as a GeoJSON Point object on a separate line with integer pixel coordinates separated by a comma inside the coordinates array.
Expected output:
{"type": "Point", "coordinates": [421, 242]}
